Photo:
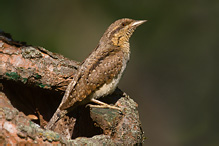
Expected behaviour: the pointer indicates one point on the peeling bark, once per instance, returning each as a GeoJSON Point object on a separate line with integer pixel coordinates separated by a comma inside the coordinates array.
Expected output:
{"type": "Point", "coordinates": [33, 81]}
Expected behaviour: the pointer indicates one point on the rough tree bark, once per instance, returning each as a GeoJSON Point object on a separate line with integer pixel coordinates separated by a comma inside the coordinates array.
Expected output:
{"type": "Point", "coordinates": [32, 83]}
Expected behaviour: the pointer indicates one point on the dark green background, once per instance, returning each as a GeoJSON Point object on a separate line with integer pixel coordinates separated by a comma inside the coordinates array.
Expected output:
{"type": "Point", "coordinates": [173, 71]}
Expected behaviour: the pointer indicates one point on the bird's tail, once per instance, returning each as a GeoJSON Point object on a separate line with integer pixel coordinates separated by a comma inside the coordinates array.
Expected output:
{"type": "Point", "coordinates": [56, 116]}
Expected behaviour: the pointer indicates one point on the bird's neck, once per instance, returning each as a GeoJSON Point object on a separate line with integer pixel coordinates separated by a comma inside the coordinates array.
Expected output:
{"type": "Point", "coordinates": [122, 43]}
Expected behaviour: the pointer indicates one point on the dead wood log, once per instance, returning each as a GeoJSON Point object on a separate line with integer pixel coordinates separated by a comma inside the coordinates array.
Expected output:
{"type": "Point", "coordinates": [32, 83]}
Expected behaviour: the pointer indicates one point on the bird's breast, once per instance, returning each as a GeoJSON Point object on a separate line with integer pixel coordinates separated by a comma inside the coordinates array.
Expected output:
{"type": "Point", "coordinates": [109, 88]}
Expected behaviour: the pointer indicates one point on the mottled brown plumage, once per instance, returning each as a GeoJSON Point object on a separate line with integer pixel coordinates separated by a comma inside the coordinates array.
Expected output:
{"type": "Point", "coordinates": [99, 74]}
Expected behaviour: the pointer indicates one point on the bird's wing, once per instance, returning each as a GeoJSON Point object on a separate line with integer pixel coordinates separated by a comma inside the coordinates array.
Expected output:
{"type": "Point", "coordinates": [98, 69]}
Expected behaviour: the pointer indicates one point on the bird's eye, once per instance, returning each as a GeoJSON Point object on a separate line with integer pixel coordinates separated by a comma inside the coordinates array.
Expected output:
{"type": "Point", "coordinates": [123, 24]}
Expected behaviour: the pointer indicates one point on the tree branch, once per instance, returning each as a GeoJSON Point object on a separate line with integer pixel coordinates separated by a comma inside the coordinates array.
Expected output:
{"type": "Point", "coordinates": [33, 81]}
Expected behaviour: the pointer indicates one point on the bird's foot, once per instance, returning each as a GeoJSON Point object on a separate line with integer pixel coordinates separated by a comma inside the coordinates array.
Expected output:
{"type": "Point", "coordinates": [103, 105]}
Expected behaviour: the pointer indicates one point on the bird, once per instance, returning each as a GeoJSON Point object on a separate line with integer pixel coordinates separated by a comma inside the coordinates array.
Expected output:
{"type": "Point", "coordinates": [99, 74]}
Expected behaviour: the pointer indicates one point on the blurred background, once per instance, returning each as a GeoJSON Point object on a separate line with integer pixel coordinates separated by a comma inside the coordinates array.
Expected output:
{"type": "Point", "coordinates": [173, 71]}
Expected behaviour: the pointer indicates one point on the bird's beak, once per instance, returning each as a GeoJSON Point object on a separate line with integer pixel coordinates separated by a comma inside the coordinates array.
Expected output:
{"type": "Point", "coordinates": [138, 22]}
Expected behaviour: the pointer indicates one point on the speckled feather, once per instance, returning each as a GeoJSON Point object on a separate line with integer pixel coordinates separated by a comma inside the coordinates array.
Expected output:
{"type": "Point", "coordinates": [101, 67]}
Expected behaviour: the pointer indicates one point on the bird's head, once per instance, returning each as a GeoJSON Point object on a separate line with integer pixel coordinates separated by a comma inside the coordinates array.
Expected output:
{"type": "Point", "coordinates": [121, 30]}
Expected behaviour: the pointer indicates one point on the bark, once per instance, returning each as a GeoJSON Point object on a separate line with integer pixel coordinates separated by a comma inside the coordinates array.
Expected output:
{"type": "Point", "coordinates": [33, 81]}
